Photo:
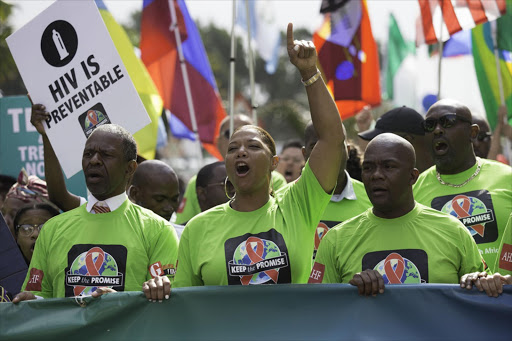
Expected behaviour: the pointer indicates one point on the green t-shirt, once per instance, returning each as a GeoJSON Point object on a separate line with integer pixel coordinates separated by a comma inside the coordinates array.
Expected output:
{"type": "Point", "coordinates": [503, 263]}
{"type": "Point", "coordinates": [339, 211]}
{"type": "Point", "coordinates": [189, 206]}
{"type": "Point", "coordinates": [483, 205]}
{"type": "Point", "coordinates": [269, 245]}
{"type": "Point", "coordinates": [77, 252]}
{"type": "Point", "coordinates": [423, 246]}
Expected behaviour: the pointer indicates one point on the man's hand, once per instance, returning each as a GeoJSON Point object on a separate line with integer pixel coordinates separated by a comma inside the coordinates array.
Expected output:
{"type": "Point", "coordinates": [302, 54]}
{"type": "Point", "coordinates": [24, 296]}
{"type": "Point", "coordinates": [157, 288]}
{"type": "Point", "coordinates": [368, 282]}
{"type": "Point", "coordinates": [491, 284]}
{"type": "Point", "coordinates": [102, 291]}
{"type": "Point", "coordinates": [39, 114]}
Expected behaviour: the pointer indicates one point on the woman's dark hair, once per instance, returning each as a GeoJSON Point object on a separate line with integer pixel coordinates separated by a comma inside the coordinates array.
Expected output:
{"type": "Point", "coordinates": [354, 168]}
{"type": "Point", "coordinates": [39, 206]}
{"type": "Point", "coordinates": [265, 136]}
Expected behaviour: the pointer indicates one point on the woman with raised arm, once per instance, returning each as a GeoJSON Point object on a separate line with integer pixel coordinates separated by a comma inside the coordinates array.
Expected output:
{"type": "Point", "coordinates": [260, 237]}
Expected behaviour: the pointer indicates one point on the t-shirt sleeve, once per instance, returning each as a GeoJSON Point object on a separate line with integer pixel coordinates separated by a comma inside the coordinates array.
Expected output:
{"type": "Point", "coordinates": [163, 252]}
{"type": "Point", "coordinates": [306, 197]}
{"type": "Point", "coordinates": [186, 274]}
{"type": "Point", "coordinates": [472, 261]}
{"type": "Point", "coordinates": [37, 280]}
{"type": "Point", "coordinates": [189, 206]}
{"type": "Point", "coordinates": [324, 269]}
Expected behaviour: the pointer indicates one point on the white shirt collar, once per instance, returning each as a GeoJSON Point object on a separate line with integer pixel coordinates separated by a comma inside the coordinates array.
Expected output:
{"type": "Point", "coordinates": [347, 193]}
{"type": "Point", "coordinates": [113, 202]}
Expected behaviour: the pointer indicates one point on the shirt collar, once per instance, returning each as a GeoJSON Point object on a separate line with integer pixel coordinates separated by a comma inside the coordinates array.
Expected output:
{"type": "Point", "coordinates": [113, 202]}
{"type": "Point", "coordinates": [347, 193]}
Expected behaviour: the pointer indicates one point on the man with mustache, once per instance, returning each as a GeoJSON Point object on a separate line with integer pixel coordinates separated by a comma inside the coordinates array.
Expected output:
{"type": "Point", "coordinates": [475, 190]}
{"type": "Point", "coordinates": [108, 244]}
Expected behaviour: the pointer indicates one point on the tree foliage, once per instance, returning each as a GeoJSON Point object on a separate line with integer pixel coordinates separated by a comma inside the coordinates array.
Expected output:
{"type": "Point", "coordinates": [10, 80]}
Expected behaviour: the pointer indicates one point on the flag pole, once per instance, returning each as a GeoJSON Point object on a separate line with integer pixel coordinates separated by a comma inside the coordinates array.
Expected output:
{"type": "Point", "coordinates": [494, 32]}
{"type": "Point", "coordinates": [251, 64]}
{"type": "Point", "coordinates": [440, 49]}
{"type": "Point", "coordinates": [188, 93]}
{"type": "Point", "coordinates": [232, 74]}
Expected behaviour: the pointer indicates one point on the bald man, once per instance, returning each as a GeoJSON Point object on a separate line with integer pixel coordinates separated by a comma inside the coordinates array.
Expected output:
{"type": "Point", "coordinates": [482, 141]}
{"type": "Point", "coordinates": [397, 240]}
{"type": "Point", "coordinates": [475, 190]}
{"type": "Point", "coordinates": [189, 206]}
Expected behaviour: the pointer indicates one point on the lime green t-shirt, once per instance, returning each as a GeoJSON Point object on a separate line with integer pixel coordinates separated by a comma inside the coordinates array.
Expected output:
{"type": "Point", "coordinates": [189, 206]}
{"type": "Point", "coordinates": [77, 252]}
{"type": "Point", "coordinates": [423, 246]}
{"type": "Point", "coordinates": [503, 263]}
{"type": "Point", "coordinates": [339, 211]}
{"type": "Point", "coordinates": [483, 205]}
{"type": "Point", "coordinates": [271, 245]}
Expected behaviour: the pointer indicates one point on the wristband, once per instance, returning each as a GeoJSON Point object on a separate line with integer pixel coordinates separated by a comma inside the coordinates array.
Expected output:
{"type": "Point", "coordinates": [312, 79]}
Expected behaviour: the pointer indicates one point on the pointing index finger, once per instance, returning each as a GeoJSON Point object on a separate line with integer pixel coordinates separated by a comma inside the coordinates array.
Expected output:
{"type": "Point", "coordinates": [289, 35]}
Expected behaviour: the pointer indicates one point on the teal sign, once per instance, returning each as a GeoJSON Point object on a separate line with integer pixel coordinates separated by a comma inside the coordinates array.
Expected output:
{"type": "Point", "coordinates": [21, 146]}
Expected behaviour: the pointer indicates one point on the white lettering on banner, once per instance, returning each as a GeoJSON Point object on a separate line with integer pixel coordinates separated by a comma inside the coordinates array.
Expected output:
{"type": "Point", "coordinates": [15, 112]}
{"type": "Point", "coordinates": [31, 153]}
{"type": "Point", "coordinates": [35, 168]}
{"type": "Point", "coordinates": [28, 126]}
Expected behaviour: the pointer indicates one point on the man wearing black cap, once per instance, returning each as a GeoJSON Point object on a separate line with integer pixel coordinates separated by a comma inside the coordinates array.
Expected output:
{"type": "Point", "coordinates": [407, 123]}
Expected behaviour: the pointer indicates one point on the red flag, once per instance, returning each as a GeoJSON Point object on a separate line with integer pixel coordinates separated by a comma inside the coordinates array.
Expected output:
{"type": "Point", "coordinates": [442, 18]}
{"type": "Point", "coordinates": [348, 56]}
{"type": "Point", "coordinates": [160, 55]}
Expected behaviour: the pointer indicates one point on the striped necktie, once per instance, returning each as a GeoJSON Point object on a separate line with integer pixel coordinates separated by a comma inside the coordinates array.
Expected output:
{"type": "Point", "coordinates": [100, 207]}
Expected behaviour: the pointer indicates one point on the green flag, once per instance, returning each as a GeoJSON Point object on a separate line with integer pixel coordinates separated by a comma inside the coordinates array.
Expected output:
{"type": "Point", "coordinates": [398, 49]}
{"type": "Point", "coordinates": [485, 64]}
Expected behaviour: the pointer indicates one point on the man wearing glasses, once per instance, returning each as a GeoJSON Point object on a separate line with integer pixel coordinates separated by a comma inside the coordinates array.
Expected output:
{"type": "Point", "coordinates": [477, 191]}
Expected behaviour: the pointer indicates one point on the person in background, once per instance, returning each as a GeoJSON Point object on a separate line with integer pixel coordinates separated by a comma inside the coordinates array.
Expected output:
{"type": "Point", "coordinates": [212, 186]}
{"type": "Point", "coordinates": [475, 190]}
{"type": "Point", "coordinates": [407, 123]}
{"type": "Point", "coordinates": [291, 160]}
{"type": "Point", "coordinates": [398, 240]}
{"type": "Point", "coordinates": [482, 141]}
{"type": "Point", "coordinates": [28, 223]}
{"type": "Point", "coordinates": [349, 197]}
{"type": "Point", "coordinates": [354, 160]}
{"type": "Point", "coordinates": [28, 189]}
{"type": "Point", "coordinates": [189, 206]}
{"type": "Point", "coordinates": [487, 144]}
{"type": "Point", "coordinates": [6, 183]}
{"type": "Point", "coordinates": [108, 244]}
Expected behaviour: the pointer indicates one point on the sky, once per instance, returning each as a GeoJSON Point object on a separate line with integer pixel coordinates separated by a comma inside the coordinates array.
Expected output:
{"type": "Point", "coordinates": [418, 78]}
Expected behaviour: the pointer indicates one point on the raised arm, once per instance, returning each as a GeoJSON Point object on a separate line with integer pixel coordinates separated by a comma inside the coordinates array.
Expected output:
{"type": "Point", "coordinates": [325, 158]}
{"type": "Point", "coordinates": [57, 190]}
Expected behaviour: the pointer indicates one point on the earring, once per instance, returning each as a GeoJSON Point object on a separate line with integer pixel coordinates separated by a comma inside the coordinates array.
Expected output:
{"type": "Point", "coordinates": [226, 189]}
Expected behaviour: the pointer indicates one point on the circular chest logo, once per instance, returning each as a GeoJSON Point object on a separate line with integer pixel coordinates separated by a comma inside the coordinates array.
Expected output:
{"type": "Point", "coordinates": [59, 43]}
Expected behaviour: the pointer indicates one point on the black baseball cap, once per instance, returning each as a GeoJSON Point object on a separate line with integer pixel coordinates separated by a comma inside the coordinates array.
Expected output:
{"type": "Point", "coordinates": [399, 120]}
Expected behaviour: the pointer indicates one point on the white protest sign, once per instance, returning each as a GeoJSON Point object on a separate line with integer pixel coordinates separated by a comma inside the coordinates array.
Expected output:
{"type": "Point", "coordinates": [69, 63]}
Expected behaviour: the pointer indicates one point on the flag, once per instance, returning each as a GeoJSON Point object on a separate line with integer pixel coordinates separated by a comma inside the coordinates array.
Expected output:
{"type": "Point", "coordinates": [147, 136]}
{"type": "Point", "coordinates": [485, 65]}
{"type": "Point", "coordinates": [459, 44]}
{"type": "Point", "coordinates": [347, 55]}
{"type": "Point", "coordinates": [398, 50]}
{"type": "Point", "coordinates": [265, 34]}
{"type": "Point", "coordinates": [442, 18]}
{"type": "Point", "coordinates": [160, 54]}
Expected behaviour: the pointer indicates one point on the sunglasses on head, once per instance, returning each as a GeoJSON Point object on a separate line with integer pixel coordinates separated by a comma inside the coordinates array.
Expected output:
{"type": "Point", "coordinates": [446, 121]}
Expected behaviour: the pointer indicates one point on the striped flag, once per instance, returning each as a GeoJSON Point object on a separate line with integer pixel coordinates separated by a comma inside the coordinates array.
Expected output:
{"type": "Point", "coordinates": [442, 18]}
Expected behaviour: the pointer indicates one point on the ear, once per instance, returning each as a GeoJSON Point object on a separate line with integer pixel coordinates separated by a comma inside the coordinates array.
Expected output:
{"type": "Point", "coordinates": [275, 162]}
{"type": "Point", "coordinates": [130, 168]}
{"type": "Point", "coordinates": [133, 193]}
{"type": "Point", "coordinates": [475, 129]}
{"type": "Point", "coordinates": [304, 153]}
{"type": "Point", "coordinates": [414, 176]}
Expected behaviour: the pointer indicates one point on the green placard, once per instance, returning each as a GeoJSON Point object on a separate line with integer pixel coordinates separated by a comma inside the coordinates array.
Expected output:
{"type": "Point", "coordinates": [22, 146]}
